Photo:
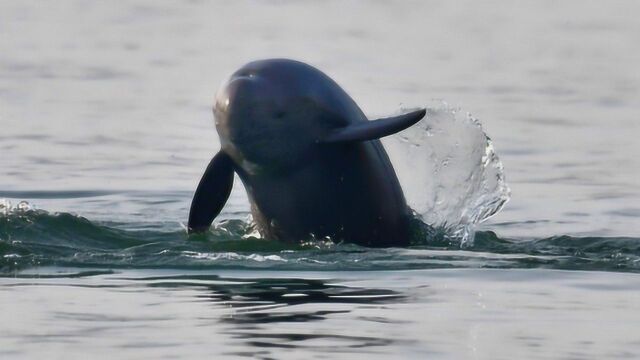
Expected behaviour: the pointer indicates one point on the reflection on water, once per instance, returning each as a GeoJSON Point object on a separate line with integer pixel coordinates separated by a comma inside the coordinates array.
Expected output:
{"type": "Point", "coordinates": [255, 306]}
{"type": "Point", "coordinates": [445, 314]}
{"type": "Point", "coordinates": [273, 293]}
{"type": "Point", "coordinates": [243, 316]}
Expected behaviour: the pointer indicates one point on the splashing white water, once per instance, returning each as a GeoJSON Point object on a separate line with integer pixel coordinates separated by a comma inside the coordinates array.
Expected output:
{"type": "Point", "coordinates": [232, 256]}
{"type": "Point", "coordinates": [7, 208]}
{"type": "Point", "coordinates": [449, 171]}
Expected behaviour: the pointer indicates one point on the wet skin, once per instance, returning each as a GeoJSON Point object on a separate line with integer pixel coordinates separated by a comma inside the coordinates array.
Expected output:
{"type": "Point", "coordinates": [309, 159]}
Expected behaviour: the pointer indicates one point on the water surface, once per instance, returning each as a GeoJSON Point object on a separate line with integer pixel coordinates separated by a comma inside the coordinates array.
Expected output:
{"type": "Point", "coordinates": [106, 127]}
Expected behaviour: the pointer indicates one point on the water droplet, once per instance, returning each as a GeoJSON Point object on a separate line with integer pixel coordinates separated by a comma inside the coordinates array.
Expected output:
{"type": "Point", "coordinates": [24, 206]}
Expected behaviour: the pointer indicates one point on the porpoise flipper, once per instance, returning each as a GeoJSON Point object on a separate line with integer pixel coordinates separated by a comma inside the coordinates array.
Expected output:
{"type": "Point", "coordinates": [212, 193]}
{"type": "Point", "coordinates": [374, 129]}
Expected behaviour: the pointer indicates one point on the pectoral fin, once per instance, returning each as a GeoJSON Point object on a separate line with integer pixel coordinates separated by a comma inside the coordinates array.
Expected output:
{"type": "Point", "coordinates": [374, 129]}
{"type": "Point", "coordinates": [212, 193]}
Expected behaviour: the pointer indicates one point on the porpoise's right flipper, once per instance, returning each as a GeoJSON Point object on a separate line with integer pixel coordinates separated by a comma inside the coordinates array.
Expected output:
{"type": "Point", "coordinates": [212, 193]}
{"type": "Point", "coordinates": [374, 129]}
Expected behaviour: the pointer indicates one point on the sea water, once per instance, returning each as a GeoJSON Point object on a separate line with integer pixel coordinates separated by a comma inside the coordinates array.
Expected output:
{"type": "Point", "coordinates": [106, 127]}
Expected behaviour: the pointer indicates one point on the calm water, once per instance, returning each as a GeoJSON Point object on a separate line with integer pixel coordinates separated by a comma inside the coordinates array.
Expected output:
{"type": "Point", "coordinates": [106, 127]}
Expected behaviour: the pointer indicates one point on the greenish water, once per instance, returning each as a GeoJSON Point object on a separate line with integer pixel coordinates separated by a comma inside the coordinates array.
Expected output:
{"type": "Point", "coordinates": [36, 238]}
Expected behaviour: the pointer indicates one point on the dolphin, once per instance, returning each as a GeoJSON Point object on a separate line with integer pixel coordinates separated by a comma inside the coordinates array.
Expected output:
{"type": "Point", "coordinates": [311, 162]}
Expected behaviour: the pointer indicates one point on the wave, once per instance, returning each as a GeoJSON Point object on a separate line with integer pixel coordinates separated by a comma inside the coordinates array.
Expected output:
{"type": "Point", "coordinates": [33, 238]}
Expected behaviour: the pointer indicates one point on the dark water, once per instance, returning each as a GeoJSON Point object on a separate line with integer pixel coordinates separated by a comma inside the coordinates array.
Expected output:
{"type": "Point", "coordinates": [31, 238]}
{"type": "Point", "coordinates": [106, 127]}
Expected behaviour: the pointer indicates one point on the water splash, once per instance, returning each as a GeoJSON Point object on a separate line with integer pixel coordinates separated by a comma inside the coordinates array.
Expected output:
{"type": "Point", "coordinates": [6, 207]}
{"type": "Point", "coordinates": [450, 172]}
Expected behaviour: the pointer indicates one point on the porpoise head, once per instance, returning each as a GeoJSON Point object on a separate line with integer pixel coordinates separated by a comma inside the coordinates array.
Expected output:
{"type": "Point", "coordinates": [272, 114]}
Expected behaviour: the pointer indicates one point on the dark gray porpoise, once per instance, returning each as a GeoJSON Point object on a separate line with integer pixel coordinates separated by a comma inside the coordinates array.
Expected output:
{"type": "Point", "coordinates": [308, 157]}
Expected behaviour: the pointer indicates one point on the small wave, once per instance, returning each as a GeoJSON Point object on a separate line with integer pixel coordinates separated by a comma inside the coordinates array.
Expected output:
{"type": "Point", "coordinates": [33, 238]}
{"type": "Point", "coordinates": [232, 256]}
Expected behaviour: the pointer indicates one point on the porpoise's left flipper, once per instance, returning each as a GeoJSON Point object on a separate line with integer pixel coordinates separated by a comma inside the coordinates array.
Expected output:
{"type": "Point", "coordinates": [374, 129]}
{"type": "Point", "coordinates": [212, 193]}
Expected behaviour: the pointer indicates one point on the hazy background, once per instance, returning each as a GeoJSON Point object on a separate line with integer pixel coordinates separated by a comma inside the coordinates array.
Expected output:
{"type": "Point", "coordinates": [105, 112]}
{"type": "Point", "coordinates": [117, 95]}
